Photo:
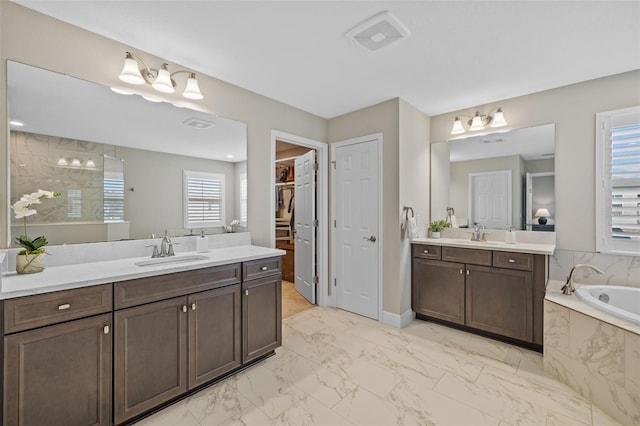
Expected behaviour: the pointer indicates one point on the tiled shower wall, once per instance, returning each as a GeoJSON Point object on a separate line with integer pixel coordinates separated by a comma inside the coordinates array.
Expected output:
{"type": "Point", "coordinates": [619, 270]}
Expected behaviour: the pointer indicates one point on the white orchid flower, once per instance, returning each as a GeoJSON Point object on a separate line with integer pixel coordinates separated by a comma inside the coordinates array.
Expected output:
{"type": "Point", "coordinates": [235, 222]}
{"type": "Point", "coordinates": [33, 198]}
{"type": "Point", "coordinates": [45, 194]}
{"type": "Point", "coordinates": [21, 209]}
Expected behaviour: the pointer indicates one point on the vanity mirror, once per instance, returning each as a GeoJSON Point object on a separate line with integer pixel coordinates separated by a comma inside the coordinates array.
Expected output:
{"type": "Point", "coordinates": [119, 161]}
{"type": "Point", "coordinates": [496, 180]}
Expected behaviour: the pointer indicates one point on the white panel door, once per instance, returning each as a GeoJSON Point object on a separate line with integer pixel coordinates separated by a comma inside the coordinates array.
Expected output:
{"type": "Point", "coordinates": [357, 228]}
{"type": "Point", "coordinates": [490, 199]}
{"type": "Point", "coordinates": [529, 203]}
{"type": "Point", "coordinates": [305, 231]}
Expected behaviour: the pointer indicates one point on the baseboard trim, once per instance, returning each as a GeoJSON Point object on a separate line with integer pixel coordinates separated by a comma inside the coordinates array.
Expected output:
{"type": "Point", "coordinates": [398, 321]}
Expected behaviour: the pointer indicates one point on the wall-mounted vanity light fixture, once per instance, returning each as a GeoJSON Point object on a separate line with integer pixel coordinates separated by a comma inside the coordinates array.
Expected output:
{"type": "Point", "coordinates": [479, 121]}
{"type": "Point", "coordinates": [161, 79]}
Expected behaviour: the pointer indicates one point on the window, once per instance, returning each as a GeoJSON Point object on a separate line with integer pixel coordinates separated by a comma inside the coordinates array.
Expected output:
{"type": "Point", "coordinates": [113, 199]}
{"type": "Point", "coordinates": [203, 199]}
{"type": "Point", "coordinates": [618, 181]}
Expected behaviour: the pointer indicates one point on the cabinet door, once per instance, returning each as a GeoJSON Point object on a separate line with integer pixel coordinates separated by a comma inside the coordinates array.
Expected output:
{"type": "Point", "coordinates": [438, 289]}
{"type": "Point", "coordinates": [214, 333]}
{"type": "Point", "coordinates": [500, 301]}
{"type": "Point", "coordinates": [150, 356]}
{"type": "Point", "coordinates": [261, 316]}
{"type": "Point", "coordinates": [60, 374]}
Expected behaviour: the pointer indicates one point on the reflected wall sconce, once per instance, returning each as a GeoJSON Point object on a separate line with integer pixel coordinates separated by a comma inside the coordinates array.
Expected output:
{"type": "Point", "coordinates": [160, 79]}
{"type": "Point", "coordinates": [479, 121]}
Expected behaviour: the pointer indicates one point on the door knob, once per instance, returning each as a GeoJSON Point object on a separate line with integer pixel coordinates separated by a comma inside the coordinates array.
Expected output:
{"type": "Point", "coordinates": [371, 238]}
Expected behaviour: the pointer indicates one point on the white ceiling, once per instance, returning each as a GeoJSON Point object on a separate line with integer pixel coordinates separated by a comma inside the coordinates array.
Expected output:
{"type": "Point", "coordinates": [459, 53]}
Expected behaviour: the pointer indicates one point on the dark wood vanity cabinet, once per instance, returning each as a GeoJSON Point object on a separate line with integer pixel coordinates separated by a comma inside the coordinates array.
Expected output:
{"type": "Point", "coordinates": [262, 314]}
{"type": "Point", "coordinates": [490, 291]}
{"type": "Point", "coordinates": [58, 366]}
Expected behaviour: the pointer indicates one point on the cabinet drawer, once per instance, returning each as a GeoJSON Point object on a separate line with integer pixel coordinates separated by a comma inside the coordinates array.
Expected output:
{"type": "Point", "coordinates": [521, 261]}
{"type": "Point", "coordinates": [151, 289]}
{"type": "Point", "coordinates": [39, 310]}
{"type": "Point", "coordinates": [260, 268]}
{"type": "Point", "coordinates": [427, 251]}
{"type": "Point", "coordinates": [465, 255]}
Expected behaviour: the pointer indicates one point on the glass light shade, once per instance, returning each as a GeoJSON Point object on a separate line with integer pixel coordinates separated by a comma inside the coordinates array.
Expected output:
{"type": "Point", "coordinates": [498, 119]}
{"type": "Point", "coordinates": [62, 161]}
{"type": "Point", "coordinates": [542, 213]}
{"type": "Point", "coordinates": [162, 83]}
{"type": "Point", "coordinates": [476, 123]}
{"type": "Point", "coordinates": [76, 162]}
{"type": "Point", "coordinates": [90, 163]}
{"type": "Point", "coordinates": [192, 91]}
{"type": "Point", "coordinates": [131, 72]}
{"type": "Point", "coordinates": [457, 127]}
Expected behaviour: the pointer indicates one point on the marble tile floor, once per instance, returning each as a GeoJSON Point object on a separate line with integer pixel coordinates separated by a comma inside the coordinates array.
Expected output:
{"type": "Point", "coordinates": [337, 368]}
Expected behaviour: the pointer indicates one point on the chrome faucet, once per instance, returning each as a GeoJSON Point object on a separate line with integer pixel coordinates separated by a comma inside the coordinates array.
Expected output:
{"type": "Point", "coordinates": [568, 287]}
{"type": "Point", "coordinates": [166, 246]}
{"type": "Point", "coordinates": [478, 235]}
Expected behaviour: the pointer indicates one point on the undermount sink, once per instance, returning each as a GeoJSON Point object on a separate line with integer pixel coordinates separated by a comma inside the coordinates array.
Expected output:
{"type": "Point", "coordinates": [172, 259]}
{"type": "Point", "coordinates": [477, 242]}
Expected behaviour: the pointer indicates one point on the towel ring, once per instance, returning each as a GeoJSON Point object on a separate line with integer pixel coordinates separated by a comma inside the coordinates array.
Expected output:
{"type": "Point", "coordinates": [407, 210]}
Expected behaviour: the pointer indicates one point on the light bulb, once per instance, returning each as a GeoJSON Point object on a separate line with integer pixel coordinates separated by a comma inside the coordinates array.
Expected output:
{"type": "Point", "coordinates": [130, 71]}
{"type": "Point", "coordinates": [192, 91]}
{"type": "Point", "coordinates": [163, 83]}
{"type": "Point", "coordinates": [457, 127]}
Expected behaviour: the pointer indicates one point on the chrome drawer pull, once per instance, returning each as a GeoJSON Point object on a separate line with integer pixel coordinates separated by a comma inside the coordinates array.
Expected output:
{"type": "Point", "coordinates": [105, 330]}
{"type": "Point", "coordinates": [426, 251]}
{"type": "Point", "coordinates": [512, 261]}
{"type": "Point", "coordinates": [64, 306]}
{"type": "Point", "coordinates": [264, 268]}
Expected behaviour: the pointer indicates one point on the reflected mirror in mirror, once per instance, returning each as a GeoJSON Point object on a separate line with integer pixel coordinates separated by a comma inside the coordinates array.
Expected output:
{"type": "Point", "coordinates": [496, 180]}
{"type": "Point", "coordinates": [119, 162]}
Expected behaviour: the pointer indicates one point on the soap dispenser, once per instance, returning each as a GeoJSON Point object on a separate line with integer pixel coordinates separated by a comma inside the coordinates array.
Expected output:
{"type": "Point", "coordinates": [510, 236]}
{"type": "Point", "coordinates": [202, 243]}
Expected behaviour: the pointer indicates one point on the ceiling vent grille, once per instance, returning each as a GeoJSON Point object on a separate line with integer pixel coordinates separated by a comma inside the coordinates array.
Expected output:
{"type": "Point", "coordinates": [198, 123]}
{"type": "Point", "coordinates": [377, 32]}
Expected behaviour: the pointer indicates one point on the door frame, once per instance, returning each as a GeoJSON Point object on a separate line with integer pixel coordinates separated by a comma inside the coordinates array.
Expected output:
{"type": "Point", "coordinates": [322, 207]}
{"type": "Point", "coordinates": [377, 137]}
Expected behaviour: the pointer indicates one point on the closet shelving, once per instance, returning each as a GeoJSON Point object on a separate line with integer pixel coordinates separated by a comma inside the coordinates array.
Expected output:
{"type": "Point", "coordinates": [283, 217]}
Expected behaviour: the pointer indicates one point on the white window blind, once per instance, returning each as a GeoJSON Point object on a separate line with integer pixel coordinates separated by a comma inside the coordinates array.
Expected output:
{"type": "Point", "coordinates": [243, 199]}
{"type": "Point", "coordinates": [203, 199]}
{"type": "Point", "coordinates": [113, 199]}
{"type": "Point", "coordinates": [74, 203]}
{"type": "Point", "coordinates": [618, 174]}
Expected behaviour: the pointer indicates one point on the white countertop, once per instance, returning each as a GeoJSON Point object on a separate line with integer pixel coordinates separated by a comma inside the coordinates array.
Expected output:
{"type": "Point", "coordinates": [533, 248]}
{"type": "Point", "coordinates": [554, 294]}
{"type": "Point", "coordinates": [86, 274]}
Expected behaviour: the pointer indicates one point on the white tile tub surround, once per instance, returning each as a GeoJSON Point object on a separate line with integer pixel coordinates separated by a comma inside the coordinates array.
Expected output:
{"type": "Point", "coordinates": [594, 353]}
{"type": "Point", "coordinates": [619, 270]}
{"type": "Point", "coordinates": [106, 255]}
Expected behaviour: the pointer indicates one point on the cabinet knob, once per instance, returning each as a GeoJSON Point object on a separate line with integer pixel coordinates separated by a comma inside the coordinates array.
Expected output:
{"type": "Point", "coordinates": [512, 261]}
{"type": "Point", "coordinates": [193, 306]}
{"type": "Point", "coordinates": [425, 251]}
{"type": "Point", "coordinates": [264, 268]}
{"type": "Point", "coordinates": [64, 306]}
{"type": "Point", "coordinates": [246, 292]}
{"type": "Point", "coordinates": [105, 329]}
{"type": "Point", "coordinates": [460, 271]}
{"type": "Point", "coordinates": [467, 272]}
{"type": "Point", "coordinates": [184, 308]}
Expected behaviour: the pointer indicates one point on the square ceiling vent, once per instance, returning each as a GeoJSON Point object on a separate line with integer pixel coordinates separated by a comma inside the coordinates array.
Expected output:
{"type": "Point", "coordinates": [198, 123]}
{"type": "Point", "coordinates": [377, 32]}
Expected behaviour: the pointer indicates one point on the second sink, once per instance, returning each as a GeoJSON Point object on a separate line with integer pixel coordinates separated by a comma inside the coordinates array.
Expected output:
{"type": "Point", "coordinates": [172, 259]}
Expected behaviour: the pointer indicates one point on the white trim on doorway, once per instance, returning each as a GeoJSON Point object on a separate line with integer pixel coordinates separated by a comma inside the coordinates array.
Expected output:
{"type": "Point", "coordinates": [322, 201]}
{"type": "Point", "coordinates": [377, 137]}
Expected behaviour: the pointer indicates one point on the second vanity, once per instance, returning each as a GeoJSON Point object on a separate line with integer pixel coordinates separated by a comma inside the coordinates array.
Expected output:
{"type": "Point", "coordinates": [491, 288]}
{"type": "Point", "coordinates": [116, 340]}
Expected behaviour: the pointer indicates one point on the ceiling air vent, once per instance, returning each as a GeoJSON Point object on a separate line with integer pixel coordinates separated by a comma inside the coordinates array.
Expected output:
{"type": "Point", "coordinates": [378, 32]}
{"type": "Point", "coordinates": [198, 123]}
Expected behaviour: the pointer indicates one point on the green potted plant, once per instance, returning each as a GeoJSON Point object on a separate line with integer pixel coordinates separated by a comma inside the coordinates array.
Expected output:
{"type": "Point", "coordinates": [29, 260]}
{"type": "Point", "coordinates": [437, 226]}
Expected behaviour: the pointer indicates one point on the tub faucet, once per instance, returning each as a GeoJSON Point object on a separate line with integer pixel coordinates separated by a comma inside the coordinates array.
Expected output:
{"type": "Point", "coordinates": [568, 287]}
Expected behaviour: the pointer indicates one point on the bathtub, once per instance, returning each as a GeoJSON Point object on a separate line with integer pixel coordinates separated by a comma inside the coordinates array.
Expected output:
{"type": "Point", "coordinates": [619, 301]}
